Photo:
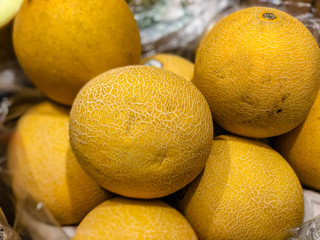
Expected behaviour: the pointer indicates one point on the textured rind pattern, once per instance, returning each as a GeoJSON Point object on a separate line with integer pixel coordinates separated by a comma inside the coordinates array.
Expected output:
{"type": "Point", "coordinates": [246, 191]}
{"type": "Point", "coordinates": [141, 131]}
{"type": "Point", "coordinates": [43, 166]}
{"type": "Point", "coordinates": [62, 44]}
{"type": "Point", "coordinates": [121, 218]}
{"type": "Point", "coordinates": [301, 148]}
{"type": "Point", "coordinates": [259, 76]}
{"type": "Point", "coordinates": [173, 63]}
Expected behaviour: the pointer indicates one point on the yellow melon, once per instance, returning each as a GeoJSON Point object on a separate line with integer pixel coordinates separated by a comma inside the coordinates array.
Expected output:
{"type": "Point", "coordinates": [8, 10]}
{"type": "Point", "coordinates": [246, 191]}
{"type": "Point", "coordinates": [122, 218]}
{"type": "Point", "coordinates": [171, 62]}
{"type": "Point", "coordinates": [141, 131]}
{"type": "Point", "coordinates": [42, 165]}
{"type": "Point", "coordinates": [62, 44]}
{"type": "Point", "coordinates": [301, 148]}
{"type": "Point", "coordinates": [259, 69]}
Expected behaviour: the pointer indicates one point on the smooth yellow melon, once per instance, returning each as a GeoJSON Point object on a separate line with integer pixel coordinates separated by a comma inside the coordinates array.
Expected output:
{"type": "Point", "coordinates": [8, 10]}
{"type": "Point", "coordinates": [62, 44]}
{"type": "Point", "coordinates": [171, 62]}
{"type": "Point", "coordinates": [259, 69]}
{"type": "Point", "coordinates": [123, 218]}
{"type": "Point", "coordinates": [43, 166]}
{"type": "Point", "coordinates": [301, 148]}
{"type": "Point", "coordinates": [246, 191]}
{"type": "Point", "coordinates": [141, 131]}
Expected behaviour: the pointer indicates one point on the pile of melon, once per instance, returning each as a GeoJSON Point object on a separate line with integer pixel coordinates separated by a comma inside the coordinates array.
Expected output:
{"type": "Point", "coordinates": [162, 147]}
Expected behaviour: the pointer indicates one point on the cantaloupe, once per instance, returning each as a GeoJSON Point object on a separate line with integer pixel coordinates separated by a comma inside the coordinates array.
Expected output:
{"type": "Point", "coordinates": [124, 218]}
{"type": "Point", "coordinates": [141, 131]}
{"type": "Point", "coordinates": [246, 191]}
{"type": "Point", "coordinates": [259, 69]}
{"type": "Point", "coordinates": [42, 165]}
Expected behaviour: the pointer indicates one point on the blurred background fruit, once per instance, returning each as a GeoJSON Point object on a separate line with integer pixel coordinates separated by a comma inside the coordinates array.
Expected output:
{"type": "Point", "coordinates": [42, 165]}
{"type": "Point", "coordinates": [8, 10]}
{"type": "Point", "coordinates": [171, 62]}
{"type": "Point", "coordinates": [61, 44]}
{"type": "Point", "coordinates": [17, 95]}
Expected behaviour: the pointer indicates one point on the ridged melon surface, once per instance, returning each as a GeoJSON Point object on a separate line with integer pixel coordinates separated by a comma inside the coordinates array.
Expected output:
{"type": "Point", "coordinates": [122, 218]}
{"type": "Point", "coordinates": [259, 69]}
{"type": "Point", "coordinates": [43, 166]}
{"type": "Point", "coordinates": [246, 191]}
{"type": "Point", "coordinates": [301, 148]}
{"type": "Point", "coordinates": [141, 131]}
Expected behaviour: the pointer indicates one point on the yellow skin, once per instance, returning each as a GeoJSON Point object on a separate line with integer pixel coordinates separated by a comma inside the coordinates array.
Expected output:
{"type": "Point", "coordinates": [121, 218]}
{"type": "Point", "coordinates": [141, 131]}
{"type": "Point", "coordinates": [171, 62]}
{"type": "Point", "coordinates": [246, 191]}
{"type": "Point", "coordinates": [62, 44]}
{"type": "Point", "coordinates": [259, 74]}
{"type": "Point", "coordinates": [301, 148]}
{"type": "Point", "coordinates": [8, 10]}
{"type": "Point", "coordinates": [42, 165]}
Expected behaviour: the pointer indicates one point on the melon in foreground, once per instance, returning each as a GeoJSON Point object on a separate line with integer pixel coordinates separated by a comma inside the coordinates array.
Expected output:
{"type": "Point", "coordinates": [246, 191]}
{"type": "Point", "coordinates": [141, 131]}
{"type": "Point", "coordinates": [123, 218]}
{"type": "Point", "coordinates": [43, 166]}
